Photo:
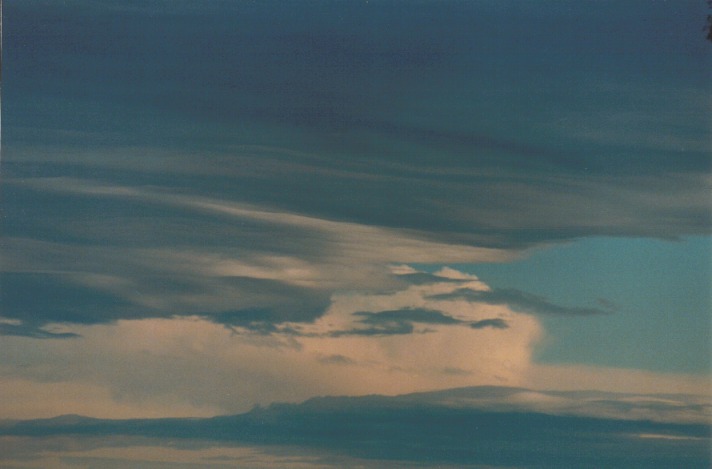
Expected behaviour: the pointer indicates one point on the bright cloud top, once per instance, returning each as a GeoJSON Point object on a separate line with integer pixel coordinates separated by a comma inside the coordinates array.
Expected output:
{"type": "Point", "coordinates": [403, 340]}
{"type": "Point", "coordinates": [391, 343]}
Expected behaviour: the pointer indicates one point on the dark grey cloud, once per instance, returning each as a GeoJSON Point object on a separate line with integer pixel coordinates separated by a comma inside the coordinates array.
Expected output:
{"type": "Point", "coordinates": [34, 300]}
{"type": "Point", "coordinates": [424, 278]}
{"type": "Point", "coordinates": [27, 329]}
{"type": "Point", "coordinates": [417, 315]}
{"type": "Point", "coordinates": [442, 121]}
{"type": "Point", "coordinates": [496, 323]}
{"type": "Point", "coordinates": [39, 298]}
{"type": "Point", "coordinates": [403, 321]}
{"type": "Point", "coordinates": [415, 428]}
{"type": "Point", "coordinates": [385, 329]}
{"type": "Point", "coordinates": [348, 95]}
{"type": "Point", "coordinates": [269, 320]}
{"type": "Point", "coordinates": [395, 322]}
{"type": "Point", "coordinates": [517, 300]}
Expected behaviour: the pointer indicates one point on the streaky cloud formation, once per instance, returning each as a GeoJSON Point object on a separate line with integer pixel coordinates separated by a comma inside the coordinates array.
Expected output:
{"type": "Point", "coordinates": [364, 342]}
{"type": "Point", "coordinates": [462, 427]}
{"type": "Point", "coordinates": [397, 341]}
{"type": "Point", "coordinates": [286, 277]}
{"type": "Point", "coordinates": [401, 321]}
{"type": "Point", "coordinates": [518, 300]}
{"type": "Point", "coordinates": [497, 323]}
{"type": "Point", "coordinates": [208, 208]}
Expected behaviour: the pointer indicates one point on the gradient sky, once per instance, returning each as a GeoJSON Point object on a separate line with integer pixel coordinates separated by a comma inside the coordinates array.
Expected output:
{"type": "Point", "coordinates": [208, 206]}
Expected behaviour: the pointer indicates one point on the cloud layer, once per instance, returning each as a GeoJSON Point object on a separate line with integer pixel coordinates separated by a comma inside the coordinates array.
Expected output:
{"type": "Point", "coordinates": [429, 429]}
{"type": "Point", "coordinates": [305, 149]}
{"type": "Point", "coordinates": [392, 342]}
{"type": "Point", "coordinates": [207, 208]}
{"type": "Point", "coordinates": [417, 336]}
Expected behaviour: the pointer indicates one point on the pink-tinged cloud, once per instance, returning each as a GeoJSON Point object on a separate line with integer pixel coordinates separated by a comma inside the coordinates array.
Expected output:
{"type": "Point", "coordinates": [192, 366]}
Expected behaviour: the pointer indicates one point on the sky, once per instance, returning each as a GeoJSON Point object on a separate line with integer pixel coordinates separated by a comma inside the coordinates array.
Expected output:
{"type": "Point", "coordinates": [208, 207]}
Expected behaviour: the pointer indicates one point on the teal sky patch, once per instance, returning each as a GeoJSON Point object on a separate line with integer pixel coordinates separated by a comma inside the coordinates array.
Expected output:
{"type": "Point", "coordinates": [658, 293]}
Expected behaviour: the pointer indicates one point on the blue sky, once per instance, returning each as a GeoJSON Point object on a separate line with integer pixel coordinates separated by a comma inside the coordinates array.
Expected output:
{"type": "Point", "coordinates": [207, 207]}
{"type": "Point", "coordinates": [665, 282]}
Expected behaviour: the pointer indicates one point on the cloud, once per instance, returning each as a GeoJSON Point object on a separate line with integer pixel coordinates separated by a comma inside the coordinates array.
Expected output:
{"type": "Point", "coordinates": [364, 342]}
{"type": "Point", "coordinates": [656, 407]}
{"type": "Point", "coordinates": [189, 241]}
{"type": "Point", "coordinates": [389, 328]}
{"type": "Point", "coordinates": [388, 342]}
{"type": "Point", "coordinates": [282, 265]}
{"type": "Point", "coordinates": [423, 316]}
{"type": "Point", "coordinates": [496, 323]}
{"type": "Point", "coordinates": [365, 125]}
{"type": "Point", "coordinates": [414, 277]}
{"type": "Point", "coordinates": [588, 377]}
{"type": "Point", "coordinates": [518, 300]}
{"type": "Point", "coordinates": [39, 298]}
{"type": "Point", "coordinates": [28, 330]}
{"type": "Point", "coordinates": [496, 426]}
{"type": "Point", "coordinates": [402, 322]}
